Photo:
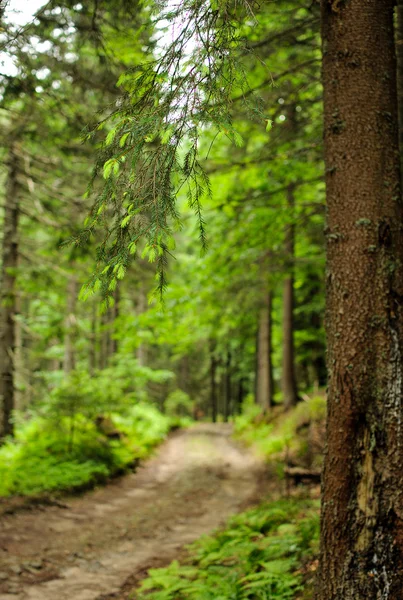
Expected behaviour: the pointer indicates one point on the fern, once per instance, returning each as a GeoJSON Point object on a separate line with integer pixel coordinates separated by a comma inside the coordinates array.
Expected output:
{"type": "Point", "coordinates": [255, 558]}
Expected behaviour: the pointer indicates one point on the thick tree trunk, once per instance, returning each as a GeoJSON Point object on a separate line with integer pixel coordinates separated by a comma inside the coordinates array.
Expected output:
{"type": "Point", "coordinates": [264, 374]}
{"type": "Point", "coordinates": [69, 361]}
{"type": "Point", "coordinates": [9, 296]}
{"type": "Point", "coordinates": [289, 382]}
{"type": "Point", "coordinates": [399, 53]}
{"type": "Point", "coordinates": [362, 504]}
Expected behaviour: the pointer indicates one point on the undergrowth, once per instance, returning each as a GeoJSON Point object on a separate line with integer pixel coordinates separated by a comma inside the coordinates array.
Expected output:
{"type": "Point", "coordinates": [48, 456]}
{"type": "Point", "coordinates": [280, 435]}
{"type": "Point", "coordinates": [262, 554]}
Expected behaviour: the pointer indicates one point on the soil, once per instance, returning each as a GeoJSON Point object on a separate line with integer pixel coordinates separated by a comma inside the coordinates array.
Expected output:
{"type": "Point", "coordinates": [97, 546]}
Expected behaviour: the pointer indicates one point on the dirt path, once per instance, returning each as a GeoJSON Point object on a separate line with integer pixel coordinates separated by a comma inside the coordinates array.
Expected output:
{"type": "Point", "coordinates": [88, 550]}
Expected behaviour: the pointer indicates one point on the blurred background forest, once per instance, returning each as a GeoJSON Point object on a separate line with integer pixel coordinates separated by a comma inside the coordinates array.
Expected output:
{"type": "Point", "coordinates": [241, 324]}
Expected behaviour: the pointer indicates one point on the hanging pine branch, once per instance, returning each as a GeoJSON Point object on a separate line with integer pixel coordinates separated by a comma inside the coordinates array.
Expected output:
{"type": "Point", "coordinates": [152, 147]}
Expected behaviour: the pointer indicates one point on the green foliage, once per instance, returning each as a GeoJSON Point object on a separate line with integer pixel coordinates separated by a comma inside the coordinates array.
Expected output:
{"type": "Point", "coordinates": [178, 403]}
{"type": "Point", "coordinates": [257, 557]}
{"type": "Point", "coordinates": [280, 435]}
{"type": "Point", "coordinates": [49, 457]}
{"type": "Point", "coordinates": [94, 394]}
{"type": "Point", "coordinates": [154, 146]}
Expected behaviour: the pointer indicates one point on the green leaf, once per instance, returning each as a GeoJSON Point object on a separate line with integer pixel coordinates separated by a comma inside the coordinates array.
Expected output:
{"type": "Point", "coordinates": [123, 139]}
{"type": "Point", "coordinates": [110, 137]}
{"type": "Point", "coordinates": [111, 167]}
{"type": "Point", "coordinates": [120, 273]}
{"type": "Point", "coordinates": [166, 135]}
{"type": "Point", "coordinates": [125, 221]}
{"type": "Point", "coordinates": [238, 139]}
{"type": "Point", "coordinates": [112, 284]}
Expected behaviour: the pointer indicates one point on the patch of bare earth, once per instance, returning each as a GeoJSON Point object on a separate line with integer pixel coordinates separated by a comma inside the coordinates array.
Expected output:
{"type": "Point", "coordinates": [99, 543]}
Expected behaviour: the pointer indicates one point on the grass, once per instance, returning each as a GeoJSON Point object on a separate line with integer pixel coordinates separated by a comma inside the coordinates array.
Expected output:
{"type": "Point", "coordinates": [46, 457]}
{"type": "Point", "coordinates": [262, 554]}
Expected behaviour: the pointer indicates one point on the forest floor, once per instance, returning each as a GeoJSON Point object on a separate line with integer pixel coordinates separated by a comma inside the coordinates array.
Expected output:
{"type": "Point", "coordinates": [96, 546]}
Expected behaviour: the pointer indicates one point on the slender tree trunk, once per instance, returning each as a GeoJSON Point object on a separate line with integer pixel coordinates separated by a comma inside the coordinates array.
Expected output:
{"type": "Point", "coordinates": [104, 340]}
{"type": "Point", "coordinates": [213, 386]}
{"type": "Point", "coordinates": [92, 346]}
{"type": "Point", "coordinates": [264, 375]}
{"type": "Point", "coordinates": [19, 371]}
{"type": "Point", "coordinates": [141, 308]}
{"type": "Point", "coordinates": [289, 382]}
{"type": "Point", "coordinates": [362, 504]}
{"type": "Point", "coordinates": [9, 295]}
{"type": "Point", "coordinates": [227, 388]}
{"type": "Point", "coordinates": [240, 395]}
{"type": "Point", "coordinates": [69, 362]}
{"type": "Point", "coordinates": [113, 343]}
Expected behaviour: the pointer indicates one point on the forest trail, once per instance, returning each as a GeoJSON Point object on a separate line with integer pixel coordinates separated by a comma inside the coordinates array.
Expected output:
{"type": "Point", "coordinates": [89, 549]}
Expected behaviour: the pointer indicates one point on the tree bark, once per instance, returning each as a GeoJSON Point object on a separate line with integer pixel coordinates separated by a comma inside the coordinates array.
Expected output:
{"type": "Point", "coordinates": [399, 54]}
{"type": "Point", "coordinates": [289, 382]}
{"type": "Point", "coordinates": [264, 374]}
{"type": "Point", "coordinates": [9, 296]}
{"type": "Point", "coordinates": [362, 503]}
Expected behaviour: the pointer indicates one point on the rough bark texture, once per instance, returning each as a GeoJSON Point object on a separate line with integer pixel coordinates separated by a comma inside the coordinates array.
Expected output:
{"type": "Point", "coordinates": [399, 53]}
{"type": "Point", "coordinates": [289, 382]}
{"type": "Point", "coordinates": [264, 375]}
{"type": "Point", "coordinates": [362, 503]}
{"type": "Point", "coordinates": [9, 296]}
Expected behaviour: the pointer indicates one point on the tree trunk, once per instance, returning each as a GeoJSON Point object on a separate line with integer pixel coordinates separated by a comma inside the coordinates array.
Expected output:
{"type": "Point", "coordinates": [227, 388]}
{"type": "Point", "coordinates": [104, 340]}
{"type": "Point", "coordinates": [264, 374]}
{"type": "Point", "coordinates": [92, 345]}
{"type": "Point", "coordinates": [240, 395]}
{"type": "Point", "coordinates": [362, 504]}
{"type": "Point", "coordinates": [141, 308]}
{"type": "Point", "coordinates": [213, 386]}
{"type": "Point", "coordinates": [19, 371]}
{"type": "Point", "coordinates": [399, 53]}
{"type": "Point", "coordinates": [69, 362]}
{"type": "Point", "coordinates": [9, 296]}
{"type": "Point", "coordinates": [289, 383]}
{"type": "Point", "coordinates": [113, 343]}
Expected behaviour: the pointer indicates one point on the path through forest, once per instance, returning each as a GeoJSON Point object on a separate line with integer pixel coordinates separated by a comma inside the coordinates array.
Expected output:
{"type": "Point", "coordinates": [109, 537]}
